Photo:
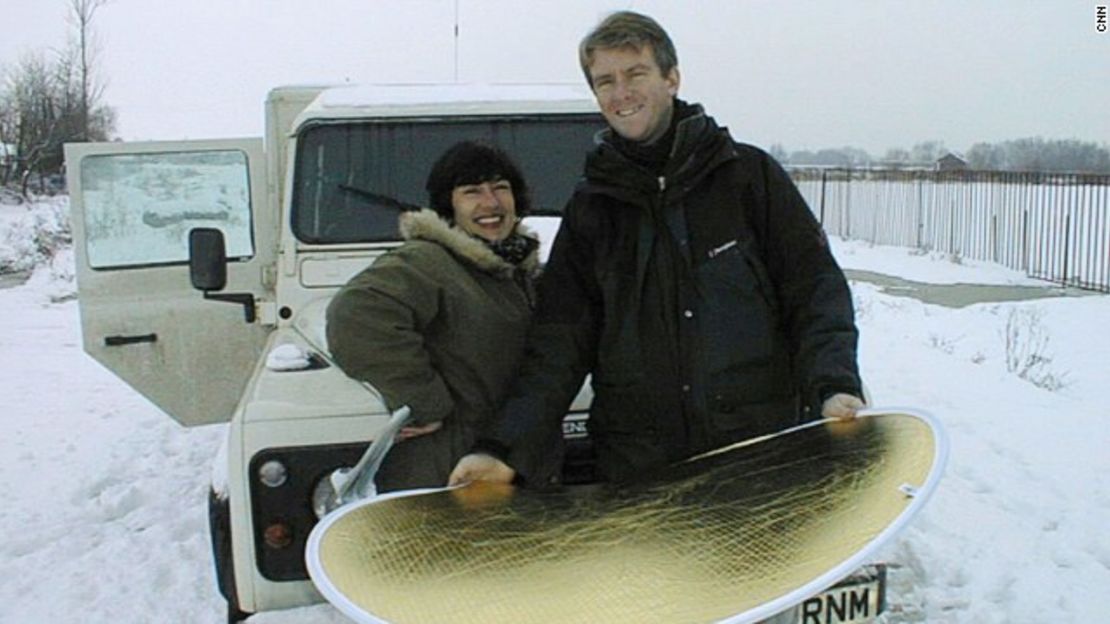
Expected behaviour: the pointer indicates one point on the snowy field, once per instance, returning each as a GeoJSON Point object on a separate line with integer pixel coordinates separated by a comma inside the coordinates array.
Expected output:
{"type": "Point", "coordinates": [105, 520]}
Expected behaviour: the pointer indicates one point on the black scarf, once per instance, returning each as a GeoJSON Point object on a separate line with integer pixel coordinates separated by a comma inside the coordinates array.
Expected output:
{"type": "Point", "coordinates": [513, 249]}
{"type": "Point", "coordinates": [653, 157]}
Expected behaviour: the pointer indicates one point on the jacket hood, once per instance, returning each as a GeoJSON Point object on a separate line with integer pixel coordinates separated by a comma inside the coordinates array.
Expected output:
{"type": "Point", "coordinates": [427, 225]}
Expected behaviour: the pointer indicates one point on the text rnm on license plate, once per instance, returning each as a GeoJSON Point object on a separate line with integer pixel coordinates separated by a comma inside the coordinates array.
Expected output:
{"type": "Point", "coordinates": [844, 604]}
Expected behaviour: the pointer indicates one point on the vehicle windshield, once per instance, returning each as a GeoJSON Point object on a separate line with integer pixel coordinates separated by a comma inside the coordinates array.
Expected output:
{"type": "Point", "coordinates": [352, 179]}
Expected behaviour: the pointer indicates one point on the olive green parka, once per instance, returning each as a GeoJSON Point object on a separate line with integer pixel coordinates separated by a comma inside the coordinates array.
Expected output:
{"type": "Point", "coordinates": [439, 325]}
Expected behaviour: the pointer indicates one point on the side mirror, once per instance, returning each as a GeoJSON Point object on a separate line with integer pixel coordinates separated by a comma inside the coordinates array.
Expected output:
{"type": "Point", "coordinates": [208, 269]}
{"type": "Point", "coordinates": [207, 259]}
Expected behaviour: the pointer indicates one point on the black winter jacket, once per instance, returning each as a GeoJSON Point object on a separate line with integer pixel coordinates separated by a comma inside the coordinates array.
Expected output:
{"type": "Point", "coordinates": [705, 303]}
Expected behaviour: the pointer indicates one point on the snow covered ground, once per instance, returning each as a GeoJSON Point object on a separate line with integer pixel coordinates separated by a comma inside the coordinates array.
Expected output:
{"type": "Point", "coordinates": [105, 519]}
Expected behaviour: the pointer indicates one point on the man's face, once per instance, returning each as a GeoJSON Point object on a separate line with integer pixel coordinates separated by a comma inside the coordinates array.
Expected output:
{"type": "Point", "coordinates": [635, 97]}
{"type": "Point", "coordinates": [486, 209]}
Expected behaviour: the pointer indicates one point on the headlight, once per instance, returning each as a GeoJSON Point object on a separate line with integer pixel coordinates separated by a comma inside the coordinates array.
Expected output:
{"type": "Point", "coordinates": [273, 474]}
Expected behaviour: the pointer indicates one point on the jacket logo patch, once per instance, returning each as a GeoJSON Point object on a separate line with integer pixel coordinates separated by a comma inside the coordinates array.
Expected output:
{"type": "Point", "coordinates": [716, 251]}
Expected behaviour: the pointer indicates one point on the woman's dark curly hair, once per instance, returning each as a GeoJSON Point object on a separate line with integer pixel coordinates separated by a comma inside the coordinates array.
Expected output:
{"type": "Point", "coordinates": [468, 162]}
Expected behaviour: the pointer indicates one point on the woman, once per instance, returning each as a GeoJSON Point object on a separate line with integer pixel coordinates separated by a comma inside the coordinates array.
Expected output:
{"type": "Point", "coordinates": [438, 324]}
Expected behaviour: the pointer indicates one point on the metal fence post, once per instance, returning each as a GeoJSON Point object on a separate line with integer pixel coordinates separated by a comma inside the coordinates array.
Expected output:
{"type": "Point", "coordinates": [1067, 241]}
{"type": "Point", "coordinates": [1025, 241]}
{"type": "Point", "coordinates": [824, 178]}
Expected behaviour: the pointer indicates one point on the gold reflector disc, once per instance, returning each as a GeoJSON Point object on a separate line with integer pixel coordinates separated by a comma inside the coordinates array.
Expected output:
{"type": "Point", "coordinates": [727, 533]}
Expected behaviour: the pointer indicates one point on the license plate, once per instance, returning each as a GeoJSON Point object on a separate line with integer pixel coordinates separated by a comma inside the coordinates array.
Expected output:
{"type": "Point", "coordinates": [858, 598]}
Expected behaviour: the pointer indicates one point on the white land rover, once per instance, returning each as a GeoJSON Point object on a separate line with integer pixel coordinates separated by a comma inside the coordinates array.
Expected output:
{"type": "Point", "coordinates": [200, 262]}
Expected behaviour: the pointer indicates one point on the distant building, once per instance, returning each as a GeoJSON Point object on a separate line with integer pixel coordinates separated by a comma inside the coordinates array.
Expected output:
{"type": "Point", "coordinates": [951, 162]}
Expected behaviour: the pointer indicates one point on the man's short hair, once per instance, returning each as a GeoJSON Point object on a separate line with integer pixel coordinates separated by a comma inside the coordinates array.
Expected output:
{"type": "Point", "coordinates": [469, 162]}
{"type": "Point", "coordinates": [627, 29]}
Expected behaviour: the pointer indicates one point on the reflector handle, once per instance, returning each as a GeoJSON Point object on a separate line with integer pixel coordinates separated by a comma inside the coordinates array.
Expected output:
{"type": "Point", "coordinates": [359, 482]}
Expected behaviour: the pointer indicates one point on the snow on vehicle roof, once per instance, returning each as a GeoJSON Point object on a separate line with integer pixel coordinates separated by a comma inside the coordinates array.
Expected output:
{"type": "Point", "coordinates": [450, 99]}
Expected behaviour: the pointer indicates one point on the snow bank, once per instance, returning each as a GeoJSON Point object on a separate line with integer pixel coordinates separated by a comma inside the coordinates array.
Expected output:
{"type": "Point", "coordinates": [924, 266]}
{"type": "Point", "coordinates": [36, 240]}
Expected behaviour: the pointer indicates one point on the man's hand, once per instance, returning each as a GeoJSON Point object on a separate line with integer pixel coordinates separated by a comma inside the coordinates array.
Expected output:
{"type": "Point", "coordinates": [418, 430]}
{"type": "Point", "coordinates": [480, 467]}
{"type": "Point", "coordinates": [841, 406]}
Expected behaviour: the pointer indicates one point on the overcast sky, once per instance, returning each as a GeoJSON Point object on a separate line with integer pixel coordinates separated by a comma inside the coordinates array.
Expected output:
{"type": "Point", "coordinates": [868, 73]}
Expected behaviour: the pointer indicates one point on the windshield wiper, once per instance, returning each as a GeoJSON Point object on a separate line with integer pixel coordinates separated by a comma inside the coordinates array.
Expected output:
{"type": "Point", "coordinates": [378, 198]}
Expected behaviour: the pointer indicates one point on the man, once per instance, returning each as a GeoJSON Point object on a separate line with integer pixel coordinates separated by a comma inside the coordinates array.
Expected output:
{"type": "Point", "coordinates": [688, 277]}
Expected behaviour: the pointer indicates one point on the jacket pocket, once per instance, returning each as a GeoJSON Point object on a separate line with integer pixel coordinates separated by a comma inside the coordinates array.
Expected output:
{"type": "Point", "coordinates": [736, 414]}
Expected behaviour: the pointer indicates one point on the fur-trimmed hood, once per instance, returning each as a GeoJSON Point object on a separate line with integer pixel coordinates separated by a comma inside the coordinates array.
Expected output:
{"type": "Point", "coordinates": [427, 225]}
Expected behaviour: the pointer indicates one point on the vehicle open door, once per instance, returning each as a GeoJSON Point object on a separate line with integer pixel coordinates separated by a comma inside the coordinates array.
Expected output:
{"type": "Point", "coordinates": [133, 206]}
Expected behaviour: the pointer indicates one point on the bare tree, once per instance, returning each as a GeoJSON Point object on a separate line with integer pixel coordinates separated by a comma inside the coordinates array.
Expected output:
{"type": "Point", "coordinates": [9, 125]}
{"type": "Point", "coordinates": [47, 102]}
{"type": "Point", "coordinates": [927, 152]}
{"type": "Point", "coordinates": [779, 153]}
{"type": "Point", "coordinates": [896, 157]}
{"type": "Point", "coordinates": [81, 13]}
{"type": "Point", "coordinates": [1038, 154]}
{"type": "Point", "coordinates": [34, 95]}
{"type": "Point", "coordinates": [986, 156]}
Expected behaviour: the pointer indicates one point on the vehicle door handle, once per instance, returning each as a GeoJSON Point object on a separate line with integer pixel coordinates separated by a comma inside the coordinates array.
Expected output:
{"type": "Point", "coordinates": [118, 341]}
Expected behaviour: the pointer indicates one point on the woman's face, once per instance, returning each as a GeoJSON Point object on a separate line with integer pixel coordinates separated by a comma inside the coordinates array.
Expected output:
{"type": "Point", "coordinates": [486, 209]}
